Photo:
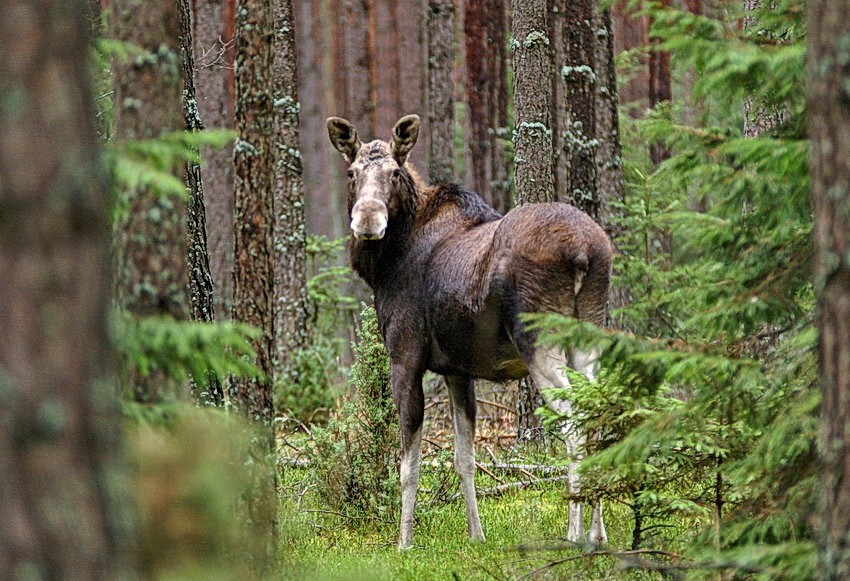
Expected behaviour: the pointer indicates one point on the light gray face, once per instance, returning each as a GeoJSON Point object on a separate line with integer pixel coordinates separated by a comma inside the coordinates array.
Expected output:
{"type": "Point", "coordinates": [373, 174]}
{"type": "Point", "coordinates": [370, 182]}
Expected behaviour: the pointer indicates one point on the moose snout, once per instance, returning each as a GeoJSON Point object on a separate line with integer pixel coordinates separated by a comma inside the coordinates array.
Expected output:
{"type": "Point", "coordinates": [369, 219]}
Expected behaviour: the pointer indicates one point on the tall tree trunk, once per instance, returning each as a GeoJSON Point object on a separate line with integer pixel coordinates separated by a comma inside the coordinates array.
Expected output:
{"type": "Point", "coordinates": [200, 291]}
{"type": "Point", "coordinates": [533, 87]}
{"type": "Point", "coordinates": [323, 186]}
{"type": "Point", "coordinates": [289, 211]}
{"type": "Point", "coordinates": [441, 118]}
{"type": "Point", "coordinates": [254, 254]}
{"type": "Point", "coordinates": [532, 143]}
{"type": "Point", "coordinates": [609, 156]}
{"type": "Point", "coordinates": [579, 76]}
{"type": "Point", "coordinates": [385, 63]}
{"type": "Point", "coordinates": [660, 89]}
{"type": "Point", "coordinates": [759, 118]}
{"type": "Point", "coordinates": [59, 429]}
{"type": "Point", "coordinates": [354, 64]}
{"type": "Point", "coordinates": [213, 53]}
{"type": "Point", "coordinates": [558, 27]}
{"type": "Point", "coordinates": [829, 129]}
{"type": "Point", "coordinates": [151, 246]}
{"type": "Point", "coordinates": [632, 32]}
{"type": "Point", "coordinates": [484, 26]}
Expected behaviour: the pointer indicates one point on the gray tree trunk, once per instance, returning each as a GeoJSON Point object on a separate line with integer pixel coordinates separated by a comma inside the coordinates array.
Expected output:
{"type": "Point", "coordinates": [212, 38]}
{"type": "Point", "coordinates": [829, 129]}
{"type": "Point", "coordinates": [201, 304]}
{"type": "Point", "coordinates": [441, 117]}
{"type": "Point", "coordinates": [579, 76]}
{"type": "Point", "coordinates": [532, 102]}
{"type": "Point", "coordinates": [609, 156]}
{"type": "Point", "coordinates": [60, 435]}
{"type": "Point", "coordinates": [254, 226]}
{"type": "Point", "coordinates": [532, 144]}
{"type": "Point", "coordinates": [484, 26]}
{"type": "Point", "coordinates": [151, 234]}
{"type": "Point", "coordinates": [289, 208]}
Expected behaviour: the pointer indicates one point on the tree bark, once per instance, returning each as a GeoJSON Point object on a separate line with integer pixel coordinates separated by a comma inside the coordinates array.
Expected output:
{"type": "Point", "coordinates": [660, 89]}
{"type": "Point", "coordinates": [609, 156]}
{"type": "Point", "coordinates": [828, 71]}
{"type": "Point", "coordinates": [214, 68]}
{"type": "Point", "coordinates": [200, 291]}
{"type": "Point", "coordinates": [579, 76]}
{"type": "Point", "coordinates": [60, 517]}
{"type": "Point", "coordinates": [323, 186]}
{"type": "Point", "coordinates": [533, 87]}
{"type": "Point", "coordinates": [632, 32]}
{"type": "Point", "coordinates": [151, 234]}
{"type": "Point", "coordinates": [759, 118]}
{"type": "Point", "coordinates": [532, 145]}
{"type": "Point", "coordinates": [289, 211]}
{"type": "Point", "coordinates": [441, 118]}
{"type": "Point", "coordinates": [254, 227]}
{"type": "Point", "coordinates": [484, 26]}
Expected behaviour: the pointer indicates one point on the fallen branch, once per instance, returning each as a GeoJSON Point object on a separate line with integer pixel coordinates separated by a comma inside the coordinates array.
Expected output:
{"type": "Point", "coordinates": [528, 468]}
{"type": "Point", "coordinates": [495, 404]}
{"type": "Point", "coordinates": [508, 486]}
{"type": "Point", "coordinates": [630, 557]}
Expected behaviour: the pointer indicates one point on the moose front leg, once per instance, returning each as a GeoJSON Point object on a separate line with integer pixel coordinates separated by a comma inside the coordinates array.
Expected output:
{"type": "Point", "coordinates": [462, 393]}
{"type": "Point", "coordinates": [407, 392]}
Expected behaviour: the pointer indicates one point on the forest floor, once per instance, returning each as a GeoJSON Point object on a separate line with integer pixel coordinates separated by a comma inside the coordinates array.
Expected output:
{"type": "Point", "coordinates": [524, 525]}
{"type": "Point", "coordinates": [524, 531]}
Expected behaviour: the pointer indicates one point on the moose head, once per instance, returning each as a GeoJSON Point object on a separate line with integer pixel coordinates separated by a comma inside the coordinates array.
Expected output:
{"type": "Point", "coordinates": [375, 172]}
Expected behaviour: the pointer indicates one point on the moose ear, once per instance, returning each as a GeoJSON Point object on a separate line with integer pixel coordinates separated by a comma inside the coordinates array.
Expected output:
{"type": "Point", "coordinates": [344, 137]}
{"type": "Point", "coordinates": [405, 134]}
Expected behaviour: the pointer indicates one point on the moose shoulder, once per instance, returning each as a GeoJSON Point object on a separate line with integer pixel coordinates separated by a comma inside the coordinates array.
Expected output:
{"type": "Point", "coordinates": [451, 277]}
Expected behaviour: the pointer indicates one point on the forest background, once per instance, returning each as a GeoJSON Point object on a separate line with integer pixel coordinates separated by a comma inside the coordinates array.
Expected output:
{"type": "Point", "coordinates": [202, 272]}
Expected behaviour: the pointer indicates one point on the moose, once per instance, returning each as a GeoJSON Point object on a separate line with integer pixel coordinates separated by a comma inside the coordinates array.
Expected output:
{"type": "Point", "coordinates": [451, 277]}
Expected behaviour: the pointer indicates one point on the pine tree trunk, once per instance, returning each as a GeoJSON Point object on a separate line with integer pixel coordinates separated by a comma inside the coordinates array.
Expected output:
{"type": "Point", "coordinates": [579, 75]}
{"type": "Point", "coordinates": [533, 87]}
{"type": "Point", "coordinates": [214, 63]}
{"type": "Point", "coordinates": [500, 179]}
{"type": "Point", "coordinates": [200, 291]}
{"type": "Point", "coordinates": [354, 65]}
{"type": "Point", "coordinates": [151, 235]}
{"type": "Point", "coordinates": [532, 145]}
{"type": "Point", "coordinates": [59, 423]}
{"type": "Point", "coordinates": [486, 95]}
{"type": "Point", "coordinates": [254, 253]}
{"type": "Point", "coordinates": [609, 156]}
{"type": "Point", "coordinates": [560, 108]}
{"type": "Point", "coordinates": [630, 32]}
{"type": "Point", "coordinates": [323, 185]}
{"type": "Point", "coordinates": [660, 90]}
{"type": "Point", "coordinates": [441, 118]}
{"type": "Point", "coordinates": [829, 129]}
{"type": "Point", "coordinates": [290, 219]}
{"type": "Point", "coordinates": [759, 118]}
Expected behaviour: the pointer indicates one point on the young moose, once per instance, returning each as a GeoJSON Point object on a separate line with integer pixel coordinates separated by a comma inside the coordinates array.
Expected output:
{"type": "Point", "coordinates": [451, 277]}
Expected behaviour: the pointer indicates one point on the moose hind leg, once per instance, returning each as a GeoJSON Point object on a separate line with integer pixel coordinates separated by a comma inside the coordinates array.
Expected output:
{"type": "Point", "coordinates": [462, 394]}
{"type": "Point", "coordinates": [547, 370]}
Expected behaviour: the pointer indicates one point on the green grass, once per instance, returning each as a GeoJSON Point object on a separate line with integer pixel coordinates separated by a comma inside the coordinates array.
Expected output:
{"type": "Point", "coordinates": [319, 545]}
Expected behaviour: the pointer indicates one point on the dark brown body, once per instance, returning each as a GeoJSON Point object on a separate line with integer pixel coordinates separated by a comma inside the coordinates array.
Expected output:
{"type": "Point", "coordinates": [451, 278]}
{"type": "Point", "coordinates": [450, 285]}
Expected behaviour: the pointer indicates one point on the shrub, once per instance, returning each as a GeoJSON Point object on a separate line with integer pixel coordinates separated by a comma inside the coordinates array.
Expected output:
{"type": "Point", "coordinates": [356, 453]}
